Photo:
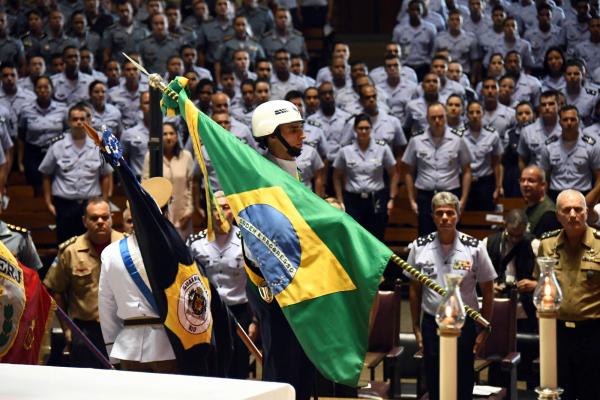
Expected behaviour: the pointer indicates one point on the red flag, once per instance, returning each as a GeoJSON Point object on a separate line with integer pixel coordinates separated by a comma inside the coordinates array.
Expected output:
{"type": "Point", "coordinates": [26, 311]}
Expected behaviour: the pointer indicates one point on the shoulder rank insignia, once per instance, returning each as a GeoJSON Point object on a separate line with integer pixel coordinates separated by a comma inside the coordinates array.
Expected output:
{"type": "Point", "coordinates": [239, 234]}
{"type": "Point", "coordinates": [489, 128]}
{"type": "Point", "coordinates": [381, 142]}
{"type": "Point", "coordinates": [67, 243]}
{"type": "Point", "coordinates": [16, 228]}
{"type": "Point", "coordinates": [469, 240]}
{"type": "Point", "coordinates": [591, 92]}
{"type": "Point", "coordinates": [551, 139]}
{"type": "Point", "coordinates": [313, 123]}
{"type": "Point", "coordinates": [196, 236]}
{"type": "Point", "coordinates": [57, 138]}
{"type": "Point", "coordinates": [423, 240]}
{"type": "Point", "coordinates": [458, 132]}
{"type": "Point", "coordinates": [227, 37]}
{"type": "Point", "coordinates": [589, 139]}
{"type": "Point", "coordinates": [550, 234]}
{"type": "Point", "coordinates": [419, 132]}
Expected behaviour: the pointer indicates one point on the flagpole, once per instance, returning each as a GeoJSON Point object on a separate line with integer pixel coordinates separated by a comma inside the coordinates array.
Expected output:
{"type": "Point", "coordinates": [431, 284]}
{"type": "Point", "coordinates": [248, 342]}
{"type": "Point", "coordinates": [97, 353]}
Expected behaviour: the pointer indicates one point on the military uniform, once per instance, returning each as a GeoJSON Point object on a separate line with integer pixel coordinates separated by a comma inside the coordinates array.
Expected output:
{"type": "Point", "coordinates": [231, 44]}
{"type": "Point", "coordinates": [76, 174]}
{"type": "Point", "coordinates": [75, 275]}
{"type": "Point", "coordinates": [18, 241]}
{"type": "Point", "coordinates": [585, 101]}
{"type": "Point", "coordinates": [480, 28]}
{"type": "Point", "coordinates": [185, 35]}
{"type": "Point", "coordinates": [50, 45]}
{"type": "Point", "coordinates": [416, 44]}
{"type": "Point", "coordinates": [119, 39]}
{"type": "Point", "coordinates": [437, 168]}
{"type": "Point", "coordinates": [135, 146]}
{"type": "Point", "coordinates": [378, 75]}
{"type": "Point", "coordinates": [91, 41]}
{"type": "Point", "coordinates": [533, 140]}
{"type": "Point", "coordinates": [155, 52]}
{"type": "Point", "coordinates": [32, 44]}
{"type": "Point", "coordinates": [416, 115]}
{"type": "Point", "coordinates": [578, 325]}
{"type": "Point", "coordinates": [467, 257]}
{"type": "Point", "coordinates": [71, 91]}
{"type": "Point", "coordinates": [120, 300]}
{"type": "Point", "coordinates": [309, 162]}
{"type": "Point", "coordinates": [11, 50]}
{"type": "Point", "coordinates": [280, 88]}
{"type": "Point", "coordinates": [211, 37]}
{"type": "Point", "coordinates": [542, 41]}
{"type": "Point", "coordinates": [549, 83]}
{"type": "Point", "coordinates": [589, 52]}
{"type": "Point", "coordinates": [293, 43]}
{"type": "Point", "coordinates": [314, 136]}
{"type": "Point", "coordinates": [37, 127]}
{"type": "Point", "coordinates": [483, 148]}
{"type": "Point", "coordinates": [501, 119]}
{"type": "Point", "coordinates": [324, 74]}
{"type": "Point", "coordinates": [520, 45]}
{"type": "Point", "coordinates": [111, 117]}
{"type": "Point", "coordinates": [16, 103]}
{"type": "Point", "coordinates": [385, 127]}
{"type": "Point", "coordinates": [463, 47]}
{"type": "Point", "coordinates": [259, 18]}
{"type": "Point", "coordinates": [224, 268]}
{"type": "Point", "coordinates": [575, 33]}
{"type": "Point", "coordinates": [127, 102]}
{"type": "Point", "coordinates": [398, 96]}
{"type": "Point", "coordinates": [333, 126]}
{"type": "Point", "coordinates": [571, 168]}
{"type": "Point", "coordinates": [365, 193]}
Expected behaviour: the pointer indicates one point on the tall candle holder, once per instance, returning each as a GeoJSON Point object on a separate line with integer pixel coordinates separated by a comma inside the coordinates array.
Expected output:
{"type": "Point", "coordinates": [450, 317]}
{"type": "Point", "coordinates": [547, 298]}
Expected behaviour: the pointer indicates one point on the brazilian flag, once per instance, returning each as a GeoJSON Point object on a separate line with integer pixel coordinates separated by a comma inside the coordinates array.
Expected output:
{"type": "Point", "coordinates": [322, 266]}
{"type": "Point", "coordinates": [198, 324]}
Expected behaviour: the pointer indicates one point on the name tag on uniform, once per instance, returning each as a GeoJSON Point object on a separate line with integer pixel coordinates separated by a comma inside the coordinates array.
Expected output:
{"type": "Point", "coordinates": [462, 265]}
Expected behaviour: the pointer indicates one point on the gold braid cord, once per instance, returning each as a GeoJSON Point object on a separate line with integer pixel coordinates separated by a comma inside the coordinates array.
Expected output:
{"type": "Point", "coordinates": [431, 284]}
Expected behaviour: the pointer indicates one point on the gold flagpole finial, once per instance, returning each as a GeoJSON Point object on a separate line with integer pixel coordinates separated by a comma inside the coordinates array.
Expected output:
{"type": "Point", "coordinates": [154, 80]}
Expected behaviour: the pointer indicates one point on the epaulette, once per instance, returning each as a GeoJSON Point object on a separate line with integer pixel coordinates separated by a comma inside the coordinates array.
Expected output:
{"type": "Point", "coordinates": [314, 123]}
{"type": "Point", "coordinates": [591, 92]}
{"type": "Point", "coordinates": [268, 33]}
{"type": "Point", "coordinates": [380, 142]}
{"type": "Point", "coordinates": [25, 35]}
{"type": "Point", "coordinates": [551, 139]}
{"type": "Point", "coordinates": [550, 234]}
{"type": "Point", "coordinates": [297, 32]}
{"type": "Point", "coordinates": [67, 243]}
{"type": "Point", "coordinates": [469, 240]}
{"type": "Point", "coordinates": [423, 240]}
{"type": "Point", "coordinates": [57, 138]}
{"type": "Point", "coordinates": [227, 37]}
{"type": "Point", "coordinates": [589, 139]}
{"type": "Point", "coordinates": [239, 234]}
{"type": "Point", "coordinates": [489, 128]}
{"type": "Point", "coordinates": [419, 132]}
{"type": "Point", "coordinates": [16, 228]}
{"type": "Point", "coordinates": [196, 236]}
{"type": "Point", "coordinates": [175, 35]}
{"type": "Point", "coordinates": [458, 132]}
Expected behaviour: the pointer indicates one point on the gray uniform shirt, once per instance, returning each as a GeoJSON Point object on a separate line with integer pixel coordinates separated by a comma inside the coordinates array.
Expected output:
{"type": "Point", "coordinates": [571, 167]}
{"type": "Point", "coordinates": [333, 127]}
{"type": "Point", "coordinates": [135, 146]}
{"type": "Point", "coordinates": [463, 48]}
{"type": "Point", "coordinates": [532, 140]}
{"type": "Point", "coordinates": [416, 42]}
{"type": "Point", "coordinates": [293, 43]}
{"type": "Point", "coordinates": [438, 165]}
{"type": "Point", "coordinates": [121, 39]}
{"type": "Point", "coordinates": [16, 103]}
{"type": "Point", "coordinates": [76, 171]}
{"type": "Point", "coordinates": [155, 53]}
{"type": "Point", "coordinates": [308, 162]}
{"type": "Point", "coordinates": [364, 170]}
{"type": "Point", "coordinates": [18, 241]}
{"type": "Point", "coordinates": [111, 117]}
{"type": "Point", "coordinates": [224, 266]}
{"type": "Point", "coordinates": [467, 257]}
{"type": "Point", "coordinates": [71, 91]}
{"type": "Point", "coordinates": [485, 146]}
{"type": "Point", "coordinates": [37, 125]}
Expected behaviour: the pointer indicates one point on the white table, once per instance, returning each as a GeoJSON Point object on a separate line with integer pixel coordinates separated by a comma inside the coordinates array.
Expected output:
{"type": "Point", "coordinates": [60, 383]}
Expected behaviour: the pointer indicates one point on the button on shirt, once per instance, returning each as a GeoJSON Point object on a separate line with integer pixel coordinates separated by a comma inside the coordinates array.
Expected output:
{"type": "Point", "coordinates": [135, 146]}
{"type": "Point", "coordinates": [308, 163]}
{"type": "Point", "coordinates": [71, 91]}
{"type": "Point", "coordinates": [467, 257]}
{"type": "Point", "coordinates": [463, 47]}
{"type": "Point", "coordinates": [571, 167]}
{"type": "Point", "coordinates": [364, 170]}
{"type": "Point", "coordinates": [37, 125]}
{"type": "Point", "coordinates": [483, 147]}
{"type": "Point", "coordinates": [533, 140]}
{"type": "Point", "coordinates": [438, 166]}
{"type": "Point", "coordinates": [416, 42]}
{"type": "Point", "coordinates": [76, 171]}
{"type": "Point", "coordinates": [224, 266]}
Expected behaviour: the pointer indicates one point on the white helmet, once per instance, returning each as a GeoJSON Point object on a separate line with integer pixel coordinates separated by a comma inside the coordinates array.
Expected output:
{"type": "Point", "coordinates": [268, 116]}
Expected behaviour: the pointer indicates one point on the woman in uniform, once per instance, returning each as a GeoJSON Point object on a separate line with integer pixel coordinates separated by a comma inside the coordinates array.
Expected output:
{"type": "Point", "coordinates": [454, 112]}
{"type": "Point", "coordinates": [358, 178]}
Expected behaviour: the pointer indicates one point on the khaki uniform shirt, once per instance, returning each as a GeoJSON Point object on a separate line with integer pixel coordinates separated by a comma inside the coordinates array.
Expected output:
{"type": "Point", "coordinates": [578, 273]}
{"type": "Point", "coordinates": [76, 275]}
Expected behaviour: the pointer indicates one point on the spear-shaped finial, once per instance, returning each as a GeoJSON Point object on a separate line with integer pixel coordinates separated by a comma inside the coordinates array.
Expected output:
{"type": "Point", "coordinates": [154, 80]}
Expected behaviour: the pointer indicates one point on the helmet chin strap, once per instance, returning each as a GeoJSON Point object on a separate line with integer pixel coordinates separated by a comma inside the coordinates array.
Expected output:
{"type": "Point", "coordinates": [292, 151]}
